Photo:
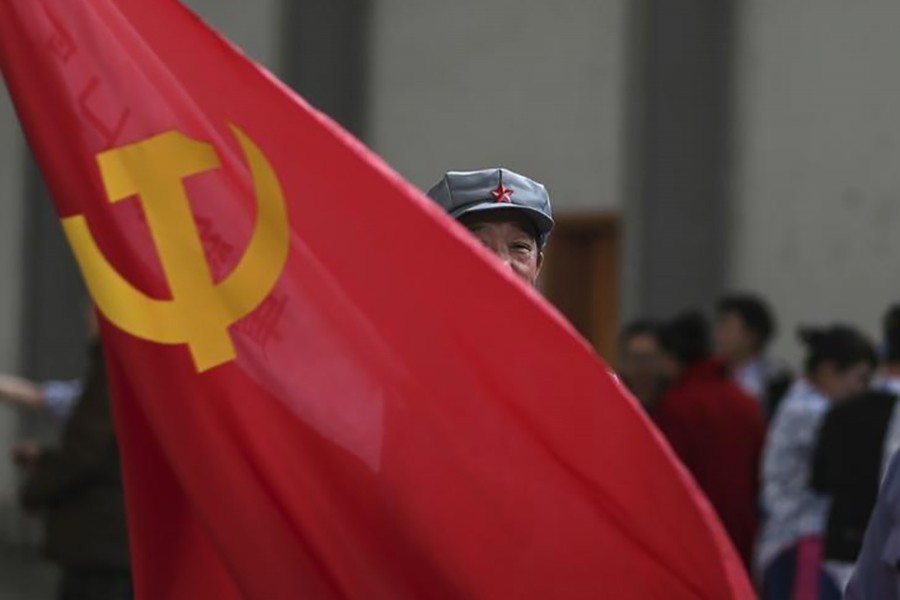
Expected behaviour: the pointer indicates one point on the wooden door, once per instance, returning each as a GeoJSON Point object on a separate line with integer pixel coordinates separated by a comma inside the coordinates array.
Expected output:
{"type": "Point", "coordinates": [581, 277]}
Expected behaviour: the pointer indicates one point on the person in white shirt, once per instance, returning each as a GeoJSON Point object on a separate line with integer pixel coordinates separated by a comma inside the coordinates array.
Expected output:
{"type": "Point", "coordinates": [839, 364]}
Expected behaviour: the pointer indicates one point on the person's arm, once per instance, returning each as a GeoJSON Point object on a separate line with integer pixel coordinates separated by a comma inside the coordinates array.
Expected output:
{"type": "Point", "coordinates": [58, 397]}
{"type": "Point", "coordinates": [20, 391]}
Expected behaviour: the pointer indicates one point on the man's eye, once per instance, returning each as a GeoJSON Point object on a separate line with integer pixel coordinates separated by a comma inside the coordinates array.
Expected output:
{"type": "Point", "coordinates": [522, 247]}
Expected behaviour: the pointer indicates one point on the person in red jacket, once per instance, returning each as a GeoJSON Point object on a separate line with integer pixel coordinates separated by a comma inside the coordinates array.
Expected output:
{"type": "Point", "coordinates": [715, 428]}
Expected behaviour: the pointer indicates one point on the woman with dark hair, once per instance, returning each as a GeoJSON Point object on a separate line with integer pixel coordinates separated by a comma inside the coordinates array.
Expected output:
{"type": "Point", "coordinates": [839, 363]}
{"type": "Point", "coordinates": [857, 440]}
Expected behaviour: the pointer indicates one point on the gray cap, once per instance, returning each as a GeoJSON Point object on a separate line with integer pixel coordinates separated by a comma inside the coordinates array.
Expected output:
{"type": "Point", "coordinates": [465, 192]}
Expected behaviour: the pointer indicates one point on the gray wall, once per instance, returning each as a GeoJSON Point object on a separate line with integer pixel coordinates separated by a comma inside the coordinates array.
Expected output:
{"type": "Point", "coordinates": [12, 185]}
{"type": "Point", "coordinates": [816, 221]}
{"type": "Point", "coordinates": [536, 87]}
{"type": "Point", "coordinates": [254, 26]}
{"type": "Point", "coordinates": [22, 574]}
{"type": "Point", "coordinates": [324, 57]}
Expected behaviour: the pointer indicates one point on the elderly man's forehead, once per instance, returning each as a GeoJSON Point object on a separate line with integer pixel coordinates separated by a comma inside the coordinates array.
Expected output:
{"type": "Point", "coordinates": [477, 220]}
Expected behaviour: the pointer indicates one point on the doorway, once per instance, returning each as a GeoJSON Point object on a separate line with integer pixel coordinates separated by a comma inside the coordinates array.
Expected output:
{"type": "Point", "coordinates": [581, 277]}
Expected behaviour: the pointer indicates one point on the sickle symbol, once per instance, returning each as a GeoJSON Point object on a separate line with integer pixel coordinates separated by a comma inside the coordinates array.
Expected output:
{"type": "Point", "coordinates": [200, 311]}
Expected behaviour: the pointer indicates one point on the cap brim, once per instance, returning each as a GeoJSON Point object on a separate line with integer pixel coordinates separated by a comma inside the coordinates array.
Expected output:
{"type": "Point", "coordinates": [542, 222]}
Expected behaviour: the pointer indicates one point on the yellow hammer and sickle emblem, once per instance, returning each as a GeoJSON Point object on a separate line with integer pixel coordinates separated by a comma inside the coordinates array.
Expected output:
{"type": "Point", "coordinates": [200, 311]}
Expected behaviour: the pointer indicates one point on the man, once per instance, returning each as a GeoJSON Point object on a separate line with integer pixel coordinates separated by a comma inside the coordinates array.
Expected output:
{"type": "Point", "coordinates": [745, 326]}
{"type": "Point", "coordinates": [640, 362]}
{"type": "Point", "coordinates": [509, 213]}
{"type": "Point", "coordinates": [856, 441]}
{"type": "Point", "coordinates": [78, 488]}
{"type": "Point", "coordinates": [713, 426]}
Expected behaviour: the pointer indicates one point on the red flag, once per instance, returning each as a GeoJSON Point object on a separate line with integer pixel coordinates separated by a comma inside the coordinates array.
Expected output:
{"type": "Point", "coordinates": [323, 388]}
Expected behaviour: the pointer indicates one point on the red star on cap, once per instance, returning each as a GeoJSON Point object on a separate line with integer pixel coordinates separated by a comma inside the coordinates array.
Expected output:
{"type": "Point", "coordinates": [502, 194]}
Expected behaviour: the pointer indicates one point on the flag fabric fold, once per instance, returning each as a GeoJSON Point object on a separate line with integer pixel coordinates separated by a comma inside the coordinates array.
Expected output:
{"type": "Point", "coordinates": [322, 387]}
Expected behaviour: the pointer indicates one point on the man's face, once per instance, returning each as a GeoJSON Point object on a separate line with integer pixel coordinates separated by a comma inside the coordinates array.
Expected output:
{"type": "Point", "coordinates": [735, 343]}
{"type": "Point", "coordinates": [509, 236]}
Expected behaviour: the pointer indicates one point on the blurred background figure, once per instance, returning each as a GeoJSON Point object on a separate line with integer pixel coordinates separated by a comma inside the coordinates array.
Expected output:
{"type": "Point", "coordinates": [745, 325]}
{"type": "Point", "coordinates": [715, 427]}
{"type": "Point", "coordinates": [877, 576]}
{"type": "Point", "coordinates": [57, 397]}
{"type": "Point", "coordinates": [77, 487]}
{"type": "Point", "coordinates": [856, 442]}
{"type": "Point", "coordinates": [640, 362]}
{"type": "Point", "coordinates": [839, 363]}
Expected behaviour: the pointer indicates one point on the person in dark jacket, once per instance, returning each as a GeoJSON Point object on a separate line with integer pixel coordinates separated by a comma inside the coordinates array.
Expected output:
{"type": "Point", "coordinates": [78, 490]}
{"type": "Point", "coordinates": [855, 443]}
{"type": "Point", "coordinates": [714, 427]}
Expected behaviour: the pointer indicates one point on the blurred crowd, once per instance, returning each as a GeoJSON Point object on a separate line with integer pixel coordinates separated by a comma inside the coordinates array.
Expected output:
{"type": "Point", "coordinates": [791, 457]}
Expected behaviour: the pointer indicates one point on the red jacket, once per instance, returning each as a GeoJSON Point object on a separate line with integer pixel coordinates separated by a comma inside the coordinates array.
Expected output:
{"type": "Point", "coordinates": [717, 430]}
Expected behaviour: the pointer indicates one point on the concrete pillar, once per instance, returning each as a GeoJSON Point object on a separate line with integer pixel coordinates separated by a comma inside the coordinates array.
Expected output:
{"type": "Point", "coordinates": [676, 215]}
